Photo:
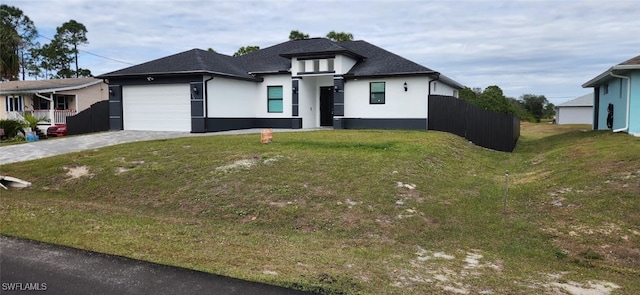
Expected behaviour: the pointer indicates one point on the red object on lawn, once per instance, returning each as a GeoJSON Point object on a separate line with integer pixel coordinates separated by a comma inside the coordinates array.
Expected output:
{"type": "Point", "coordinates": [57, 130]}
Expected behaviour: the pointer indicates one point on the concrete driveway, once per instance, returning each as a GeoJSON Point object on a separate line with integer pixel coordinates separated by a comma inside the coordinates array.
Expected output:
{"type": "Point", "coordinates": [57, 146]}
{"type": "Point", "coordinates": [51, 269]}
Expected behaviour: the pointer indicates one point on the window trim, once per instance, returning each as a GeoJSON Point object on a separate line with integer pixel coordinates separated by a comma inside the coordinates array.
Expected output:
{"type": "Point", "coordinates": [384, 99]}
{"type": "Point", "coordinates": [269, 99]}
{"type": "Point", "coordinates": [621, 87]}
{"type": "Point", "coordinates": [14, 104]}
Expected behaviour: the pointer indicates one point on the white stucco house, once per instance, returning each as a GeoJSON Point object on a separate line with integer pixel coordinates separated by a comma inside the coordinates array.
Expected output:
{"type": "Point", "coordinates": [576, 111]}
{"type": "Point", "coordinates": [296, 84]}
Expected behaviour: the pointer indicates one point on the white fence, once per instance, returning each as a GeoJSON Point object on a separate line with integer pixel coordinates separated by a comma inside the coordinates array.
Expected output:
{"type": "Point", "coordinates": [59, 116]}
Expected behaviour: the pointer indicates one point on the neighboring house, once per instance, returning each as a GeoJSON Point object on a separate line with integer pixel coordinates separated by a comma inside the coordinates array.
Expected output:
{"type": "Point", "coordinates": [54, 99]}
{"type": "Point", "coordinates": [296, 84]}
{"type": "Point", "coordinates": [617, 98]}
{"type": "Point", "coordinates": [576, 111]}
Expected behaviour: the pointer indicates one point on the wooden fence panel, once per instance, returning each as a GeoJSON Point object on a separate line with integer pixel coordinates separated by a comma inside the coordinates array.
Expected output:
{"type": "Point", "coordinates": [497, 131]}
{"type": "Point", "coordinates": [93, 119]}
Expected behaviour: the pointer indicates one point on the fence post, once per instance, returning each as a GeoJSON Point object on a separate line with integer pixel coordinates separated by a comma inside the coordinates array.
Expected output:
{"type": "Point", "coordinates": [506, 192]}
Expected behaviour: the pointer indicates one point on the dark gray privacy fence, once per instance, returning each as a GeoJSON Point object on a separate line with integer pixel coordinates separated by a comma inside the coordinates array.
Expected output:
{"type": "Point", "coordinates": [496, 131]}
{"type": "Point", "coordinates": [93, 119]}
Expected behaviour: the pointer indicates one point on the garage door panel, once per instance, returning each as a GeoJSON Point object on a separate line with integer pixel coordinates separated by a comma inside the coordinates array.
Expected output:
{"type": "Point", "coordinates": [157, 107]}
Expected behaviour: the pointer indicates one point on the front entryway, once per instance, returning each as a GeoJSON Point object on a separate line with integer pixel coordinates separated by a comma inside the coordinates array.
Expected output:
{"type": "Point", "coordinates": [326, 106]}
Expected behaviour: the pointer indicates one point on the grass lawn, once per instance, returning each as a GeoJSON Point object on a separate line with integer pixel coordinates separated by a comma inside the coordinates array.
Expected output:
{"type": "Point", "coordinates": [353, 212]}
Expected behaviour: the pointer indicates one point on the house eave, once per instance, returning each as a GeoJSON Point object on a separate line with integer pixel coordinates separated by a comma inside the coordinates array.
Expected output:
{"type": "Point", "coordinates": [323, 54]}
{"type": "Point", "coordinates": [598, 79]}
{"type": "Point", "coordinates": [595, 81]}
{"type": "Point", "coordinates": [179, 73]}
{"type": "Point", "coordinates": [402, 74]}
{"type": "Point", "coordinates": [264, 73]}
{"type": "Point", "coordinates": [47, 90]}
{"type": "Point", "coordinates": [443, 78]}
{"type": "Point", "coordinates": [627, 67]}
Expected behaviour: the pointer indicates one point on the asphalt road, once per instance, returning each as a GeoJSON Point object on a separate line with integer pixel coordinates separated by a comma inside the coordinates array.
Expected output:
{"type": "Point", "coordinates": [32, 267]}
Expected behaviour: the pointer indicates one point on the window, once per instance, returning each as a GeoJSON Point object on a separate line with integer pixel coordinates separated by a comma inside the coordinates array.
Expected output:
{"type": "Point", "coordinates": [14, 104]}
{"type": "Point", "coordinates": [620, 87]}
{"type": "Point", "coordinates": [455, 93]}
{"type": "Point", "coordinates": [44, 104]}
{"type": "Point", "coordinates": [274, 99]}
{"type": "Point", "coordinates": [377, 92]}
{"type": "Point", "coordinates": [330, 65]}
{"type": "Point", "coordinates": [605, 89]}
{"type": "Point", "coordinates": [434, 86]}
{"type": "Point", "coordinates": [301, 64]}
{"type": "Point", "coordinates": [62, 102]}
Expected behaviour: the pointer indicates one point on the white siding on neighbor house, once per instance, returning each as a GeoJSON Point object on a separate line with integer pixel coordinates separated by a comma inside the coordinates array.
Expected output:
{"type": "Point", "coordinates": [574, 115]}
{"type": "Point", "coordinates": [398, 103]}
{"type": "Point", "coordinates": [260, 107]}
{"type": "Point", "coordinates": [230, 98]}
{"type": "Point", "coordinates": [87, 96]}
{"type": "Point", "coordinates": [157, 107]}
{"type": "Point", "coordinates": [439, 88]}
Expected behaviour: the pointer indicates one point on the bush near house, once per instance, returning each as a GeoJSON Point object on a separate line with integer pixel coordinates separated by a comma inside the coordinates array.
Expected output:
{"type": "Point", "coordinates": [33, 121]}
{"type": "Point", "coordinates": [11, 127]}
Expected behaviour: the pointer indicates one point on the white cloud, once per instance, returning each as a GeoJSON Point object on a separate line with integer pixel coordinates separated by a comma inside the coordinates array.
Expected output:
{"type": "Point", "coordinates": [543, 47]}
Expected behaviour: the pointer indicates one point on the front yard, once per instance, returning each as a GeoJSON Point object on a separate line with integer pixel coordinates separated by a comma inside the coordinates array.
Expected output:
{"type": "Point", "coordinates": [353, 212]}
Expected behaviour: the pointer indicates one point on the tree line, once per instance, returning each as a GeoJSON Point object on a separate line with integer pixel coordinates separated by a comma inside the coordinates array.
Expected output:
{"type": "Point", "coordinates": [21, 54]}
{"type": "Point", "coordinates": [529, 107]}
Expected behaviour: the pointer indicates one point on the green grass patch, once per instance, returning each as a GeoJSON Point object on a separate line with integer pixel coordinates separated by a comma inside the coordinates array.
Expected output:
{"type": "Point", "coordinates": [351, 212]}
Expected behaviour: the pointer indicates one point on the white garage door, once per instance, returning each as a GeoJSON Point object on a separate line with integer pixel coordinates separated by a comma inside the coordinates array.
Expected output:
{"type": "Point", "coordinates": [157, 107]}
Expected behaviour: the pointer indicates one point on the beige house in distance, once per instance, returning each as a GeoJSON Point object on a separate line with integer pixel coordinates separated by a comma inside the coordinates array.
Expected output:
{"type": "Point", "coordinates": [54, 99]}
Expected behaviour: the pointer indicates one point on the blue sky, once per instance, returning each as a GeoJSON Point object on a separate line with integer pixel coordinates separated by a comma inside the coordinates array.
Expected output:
{"type": "Point", "coordinates": [541, 47]}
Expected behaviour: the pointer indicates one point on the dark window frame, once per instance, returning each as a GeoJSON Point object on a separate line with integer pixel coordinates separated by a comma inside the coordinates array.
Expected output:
{"type": "Point", "coordinates": [371, 93]}
{"type": "Point", "coordinates": [269, 99]}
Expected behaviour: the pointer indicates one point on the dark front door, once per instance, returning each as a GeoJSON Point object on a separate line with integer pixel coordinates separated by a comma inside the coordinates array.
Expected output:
{"type": "Point", "coordinates": [326, 106]}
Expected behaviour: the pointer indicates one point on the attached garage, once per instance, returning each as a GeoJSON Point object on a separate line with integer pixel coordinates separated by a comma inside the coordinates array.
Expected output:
{"type": "Point", "coordinates": [156, 107]}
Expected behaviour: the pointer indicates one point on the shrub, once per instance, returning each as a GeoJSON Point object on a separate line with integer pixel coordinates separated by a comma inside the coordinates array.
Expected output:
{"type": "Point", "coordinates": [33, 121]}
{"type": "Point", "coordinates": [11, 127]}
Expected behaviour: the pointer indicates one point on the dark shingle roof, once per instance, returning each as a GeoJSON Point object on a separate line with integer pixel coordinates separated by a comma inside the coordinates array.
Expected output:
{"type": "Point", "coordinates": [267, 59]}
{"type": "Point", "coordinates": [277, 58]}
{"type": "Point", "coordinates": [192, 61]}
{"type": "Point", "coordinates": [372, 61]}
{"type": "Point", "coordinates": [317, 46]}
{"type": "Point", "coordinates": [380, 62]}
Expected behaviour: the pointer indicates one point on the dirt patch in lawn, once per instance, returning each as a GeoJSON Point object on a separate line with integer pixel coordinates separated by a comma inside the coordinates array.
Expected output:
{"type": "Point", "coordinates": [77, 172]}
{"type": "Point", "coordinates": [557, 285]}
{"type": "Point", "coordinates": [453, 273]}
{"type": "Point", "coordinates": [244, 164]}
